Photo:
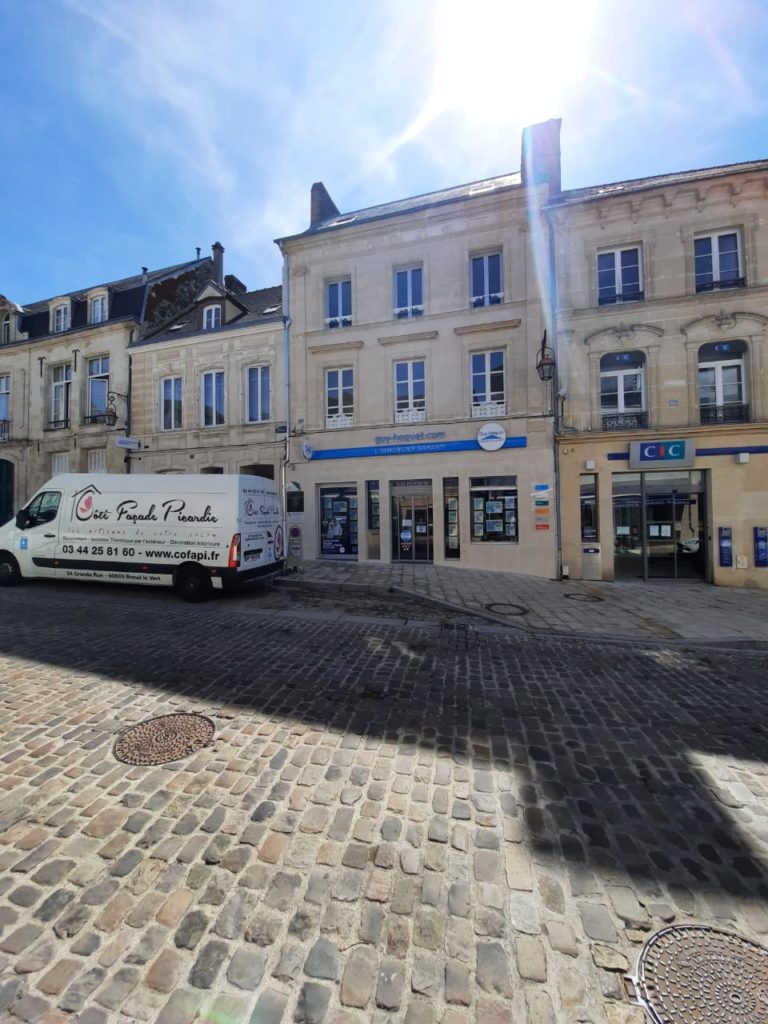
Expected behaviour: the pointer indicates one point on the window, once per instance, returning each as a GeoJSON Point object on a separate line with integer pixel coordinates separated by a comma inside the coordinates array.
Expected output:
{"type": "Point", "coordinates": [339, 397]}
{"type": "Point", "coordinates": [618, 276]}
{"type": "Point", "coordinates": [451, 524]}
{"type": "Point", "coordinates": [338, 312]}
{"type": "Point", "coordinates": [44, 507]}
{"type": "Point", "coordinates": [59, 463]}
{"type": "Point", "coordinates": [170, 403]}
{"type": "Point", "coordinates": [488, 398]}
{"type": "Point", "coordinates": [98, 389]}
{"type": "Point", "coordinates": [60, 319]}
{"type": "Point", "coordinates": [97, 460]}
{"type": "Point", "coordinates": [211, 318]}
{"type": "Point", "coordinates": [61, 383]}
{"type": "Point", "coordinates": [410, 395]}
{"type": "Point", "coordinates": [588, 502]}
{"type": "Point", "coordinates": [721, 383]}
{"type": "Point", "coordinates": [485, 280]}
{"type": "Point", "coordinates": [257, 392]}
{"type": "Point", "coordinates": [409, 300]}
{"type": "Point", "coordinates": [5, 406]}
{"type": "Point", "coordinates": [6, 329]}
{"type": "Point", "coordinates": [493, 500]}
{"type": "Point", "coordinates": [99, 309]}
{"type": "Point", "coordinates": [716, 262]}
{"type": "Point", "coordinates": [622, 391]}
{"type": "Point", "coordinates": [212, 414]}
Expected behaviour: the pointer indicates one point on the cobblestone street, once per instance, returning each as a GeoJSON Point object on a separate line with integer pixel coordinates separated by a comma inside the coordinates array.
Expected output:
{"type": "Point", "coordinates": [406, 815]}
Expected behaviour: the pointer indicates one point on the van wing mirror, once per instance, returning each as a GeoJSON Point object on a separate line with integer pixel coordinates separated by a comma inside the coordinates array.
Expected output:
{"type": "Point", "coordinates": [22, 519]}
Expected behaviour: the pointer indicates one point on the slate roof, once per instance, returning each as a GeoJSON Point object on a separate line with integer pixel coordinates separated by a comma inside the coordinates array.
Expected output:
{"type": "Point", "coordinates": [426, 201]}
{"type": "Point", "coordinates": [255, 303]}
{"type": "Point", "coordinates": [580, 195]}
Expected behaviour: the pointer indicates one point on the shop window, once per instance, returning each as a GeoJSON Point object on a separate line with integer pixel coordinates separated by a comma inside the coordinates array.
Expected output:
{"type": "Point", "coordinates": [410, 392]}
{"type": "Point", "coordinates": [338, 522]}
{"type": "Point", "coordinates": [374, 518]}
{"type": "Point", "coordinates": [622, 391]}
{"type": "Point", "coordinates": [493, 502]}
{"type": "Point", "coordinates": [294, 502]}
{"type": "Point", "coordinates": [588, 503]}
{"type": "Point", "coordinates": [721, 383]}
{"type": "Point", "coordinates": [451, 522]}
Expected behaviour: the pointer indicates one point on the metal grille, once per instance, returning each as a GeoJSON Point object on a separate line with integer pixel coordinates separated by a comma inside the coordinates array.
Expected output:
{"type": "Point", "coordinates": [163, 739]}
{"type": "Point", "coordinates": [693, 974]}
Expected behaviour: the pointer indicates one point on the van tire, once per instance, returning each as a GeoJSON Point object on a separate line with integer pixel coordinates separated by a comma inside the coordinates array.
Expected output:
{"type": "Point", "coordinates": [193, 584]}
{"type": "Point", "coordinates": [10, 574]}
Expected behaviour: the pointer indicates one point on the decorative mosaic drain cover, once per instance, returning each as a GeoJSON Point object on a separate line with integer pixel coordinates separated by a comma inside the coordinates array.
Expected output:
{"type": "Point", "coordinates": [692, 974]}
{"type": "Point", "coordinates": [163, 739]}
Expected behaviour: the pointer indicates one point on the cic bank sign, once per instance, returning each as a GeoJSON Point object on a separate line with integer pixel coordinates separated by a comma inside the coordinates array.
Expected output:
{"type": "Point", "coordinates": [664, 454]}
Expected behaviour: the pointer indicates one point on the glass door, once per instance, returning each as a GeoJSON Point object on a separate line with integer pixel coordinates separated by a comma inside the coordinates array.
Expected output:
{"type": "Point", "coordinates": [412, 523]}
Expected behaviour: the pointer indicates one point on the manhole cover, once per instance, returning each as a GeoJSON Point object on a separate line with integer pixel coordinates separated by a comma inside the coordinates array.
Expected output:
{"type": "Point", "coordinates": [692, 974]}
{"type": "Point", "coordinates": [586, 598]}
{"type": "Point", "coordinates": [163, 739]}
{"type": "Point", "coordinates": [507, 609]}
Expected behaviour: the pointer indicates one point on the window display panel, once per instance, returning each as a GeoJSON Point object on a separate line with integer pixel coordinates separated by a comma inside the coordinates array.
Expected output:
{"type": "Point", "coordinates": [451, 512]}
{"type": "Point", "coordinates": [493, 502]}
{"type": "Point", "coordinates": [338, 522]}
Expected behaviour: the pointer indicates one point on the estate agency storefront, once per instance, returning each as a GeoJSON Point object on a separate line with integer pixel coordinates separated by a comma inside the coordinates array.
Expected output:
{"type": "Point", "coordinates": [483, 501]}
{"type": "Point", "coordinates": [673, 508]}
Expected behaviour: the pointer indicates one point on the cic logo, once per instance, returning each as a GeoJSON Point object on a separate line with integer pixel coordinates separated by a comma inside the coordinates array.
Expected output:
{"type": "Point", "coordinates": [662, 451]}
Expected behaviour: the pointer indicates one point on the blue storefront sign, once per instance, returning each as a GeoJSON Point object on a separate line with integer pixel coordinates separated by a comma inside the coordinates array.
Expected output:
{"type": "Point", "coordinates": [761, 547]}
{"type": "Point", "coordinates": [725, 536]}
{"type": "Point", "coordinates": [418, 448]}
{"type": "Point", "coordinates": [660, 453]}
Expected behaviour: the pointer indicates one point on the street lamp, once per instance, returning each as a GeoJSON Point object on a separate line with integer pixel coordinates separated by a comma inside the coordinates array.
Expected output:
{"type": "Point", "coordinates": [545, 364]}
{"type": "Point", "coordinates": [110, 413]}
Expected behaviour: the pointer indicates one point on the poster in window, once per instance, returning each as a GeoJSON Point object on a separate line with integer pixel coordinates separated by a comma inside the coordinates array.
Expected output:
{"type": "Point", "coordinates": [339, 506]}
{"type": "Point", "coordinates": [511, 529]}
{"type": "Point", "coordinates": [653, 529]}
{"type": "Point", "coordinates": [479, 516]}
{"type": "Point", "coordinates": [510, 502]}
{"type": "Point", "coordinates": [494, 508]}
{"type": "Point", "coordinates": [453, 504]}
{"type": "Point", "coordinates": [478, 530]}
{"type": "Point", "coordinates": [666, 529]}
{"type": "Point", "coordinates": [477, 503]}
{"type": "Point", "coordinates": [494, 526]}
{"type": "Point", "coordinates": [453, 529]}
{"type": "Point", "coordinates": [453, 542]}
{"type": "Point", "coordinates": [452, 515]}
{"type": "Point", "coordinates": [510, 516]}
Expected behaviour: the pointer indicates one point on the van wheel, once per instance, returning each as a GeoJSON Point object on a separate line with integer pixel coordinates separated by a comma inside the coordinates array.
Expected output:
{"type": "Point", "coordinates": [10, 574]}
{"type": "Point", "coordinates": [193, 584]}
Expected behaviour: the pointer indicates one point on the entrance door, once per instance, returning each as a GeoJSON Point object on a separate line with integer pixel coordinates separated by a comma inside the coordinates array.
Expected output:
{"type": "Point", "coordinates": [659, 525]}
{"type": "Point", "coordinates": [412, 521]}
{"type": "Point", "coordinates": [6, 491]}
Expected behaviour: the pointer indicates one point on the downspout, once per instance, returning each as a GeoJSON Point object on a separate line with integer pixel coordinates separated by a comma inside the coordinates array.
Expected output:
{"type": "Point", "coordinates": [128, 414]}
{"type": "Point", "coordinates": [555, 386]}
{"type": "Point", "coordinates": [287, 372]}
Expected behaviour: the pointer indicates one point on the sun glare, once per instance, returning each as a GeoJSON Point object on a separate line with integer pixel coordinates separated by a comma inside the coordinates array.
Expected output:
{"type": "Point", "coordinates": [503, 60]}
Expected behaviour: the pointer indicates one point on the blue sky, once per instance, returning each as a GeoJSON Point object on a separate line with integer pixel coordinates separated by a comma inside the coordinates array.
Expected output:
{"type": "Point", "coordinates": [133, 132]}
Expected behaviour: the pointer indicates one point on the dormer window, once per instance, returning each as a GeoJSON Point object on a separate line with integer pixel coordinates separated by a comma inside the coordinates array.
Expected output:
{"type": "Point", "coordinates": [6, 336]}
{"type": "Point", "coordinates": [60, 319]}
{"type": "Point", "coordinates": [211, 318]}
{"type": "Point", "coordinates": [98, 309]}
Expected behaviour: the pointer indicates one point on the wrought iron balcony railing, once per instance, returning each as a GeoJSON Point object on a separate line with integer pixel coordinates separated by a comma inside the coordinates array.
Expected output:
{"type": "Point", "coordinates": [711, 286]}
{"type": "Point", "coordinates": [625, 421]}
{"type": "Point", "coordinates": [613, 298]}
{"type": "Point", "coordinates": [733, 412]}
{"type": "Point", "coordinates": [57, 424]}
{"type": "Point", "coordinates": [5, 430]}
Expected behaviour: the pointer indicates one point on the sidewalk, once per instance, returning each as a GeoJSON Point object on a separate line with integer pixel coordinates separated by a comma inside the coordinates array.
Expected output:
{"type": "Point", "coordinates": [661, 610]}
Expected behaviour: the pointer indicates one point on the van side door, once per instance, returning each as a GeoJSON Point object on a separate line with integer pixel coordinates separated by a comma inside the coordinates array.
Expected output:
{"type": "Point", "coordinates": [38, 532]}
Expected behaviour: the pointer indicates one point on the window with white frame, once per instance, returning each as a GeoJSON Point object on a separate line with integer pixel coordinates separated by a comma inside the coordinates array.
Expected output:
{"type": "Point", "coordinates": [717, 261]}
{"type": "Point", "coordinates": [721, 383]}
{"type": "Point", "coordinates": [170, 403]}
{"type": "Point", "coordinates": [488, 389]}
{"type": "Point", "coordinates": [61, 387]}
{"type": "Point", "coordinates": [485, 279]}
{"type": "Point", "coordinates": [211, 318]}
{"type": "Point", "coordinates": [97, 460]}
{"type": "Point", "coordinates": [409, 297]}
{"type": "Point", "coordinates": [257, 394]}
{"type": "Point", "coordinates": [338, 303]}
{"type": "Point", "coordinates": [5, 405]}
{"type": "Point", "coordinates": [212, 398]}
{"type": "Point", "coordinates": [339, 397]}
{"type": "Point", "coordinates": [98, 389]}
{"type": "Point", "coordinates": [98, 309]}
{"type": "Point", "coordinates": [622, 391]}
{"type": "Point", "coordinates": [60, 319]}
{"type": "Point", "coordinates": [6, 329]}
{"type": "Point", "coordinates": [59, 464]}
{"type": "Point", "coordinates": [618, 276]}
{"type": "Point", "coordinates": [410, 391]}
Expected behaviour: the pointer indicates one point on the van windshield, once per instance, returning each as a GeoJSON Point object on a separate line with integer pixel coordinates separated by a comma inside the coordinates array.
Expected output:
{"type": "Point", "coordinates": [44, 507]}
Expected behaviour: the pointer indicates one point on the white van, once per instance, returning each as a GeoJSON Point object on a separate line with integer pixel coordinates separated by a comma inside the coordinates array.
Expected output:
{"type": "Point", "coordinates": [195, 532]}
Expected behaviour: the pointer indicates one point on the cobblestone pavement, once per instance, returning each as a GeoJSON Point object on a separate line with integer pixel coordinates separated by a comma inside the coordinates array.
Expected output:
{"type": "Point", "coordinates": [398, 820]}
{"type": "Point", "coordinates": [657, 610]}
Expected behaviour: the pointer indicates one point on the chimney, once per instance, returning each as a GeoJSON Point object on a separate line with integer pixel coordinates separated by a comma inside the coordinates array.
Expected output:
{"type": "Point", "coordinates": [218, 263]}
{"type": "Point", "coordinates": [197, 250]}
{"type": "Point", "coordinates": [540, 158]}
{"type": "Point", "coordinates": [322, 207]}
{"type": "Point", "coordinates": [144, 272]}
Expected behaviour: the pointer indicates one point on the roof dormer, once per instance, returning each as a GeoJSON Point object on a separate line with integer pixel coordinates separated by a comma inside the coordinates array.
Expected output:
{"type": "Point", "coordinates": [98, 306]}
{"type": "Point", "coordinates": [60, 310]}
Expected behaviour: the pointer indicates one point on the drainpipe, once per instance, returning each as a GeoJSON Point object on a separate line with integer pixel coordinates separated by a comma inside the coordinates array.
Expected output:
{"type": "Point", "coordinates": [128, 414]}
{"type": "Point", "coordinates": [552, 268]}
{"type": "Point", "coordinates": [287, 372]}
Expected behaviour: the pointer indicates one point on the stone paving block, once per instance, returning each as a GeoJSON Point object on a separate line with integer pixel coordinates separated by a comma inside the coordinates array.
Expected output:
{"type": "Point", "coordinates": [269, 1008]}
{"type": "Point", "coordinates": [561, 938]}
{"type": "Point", "coordinates": [531, 958]}
{"type": "Point", "coordinates": [323, 960]}
{"type": "Point", "coordinates": [246, 968]}
{"type": "Point", "coordinates": [597, 923]}
{"type": "Point", "coordinates": [312, 1003]}
{"type": "Point", "coordinates": [389, 988]}
{"type": "Point", "coordinates": [457, 984]}
{"type": "Point", "coordinates": [492, 973]}
{"type": "Point", "coordinates": [208, 963]}
{"type": "Point", "coordinates": [359, 978]}
{"type": "Point", "coordinates": [181, 1008]}
{"type": "Point", "coordinates": [81, 988]}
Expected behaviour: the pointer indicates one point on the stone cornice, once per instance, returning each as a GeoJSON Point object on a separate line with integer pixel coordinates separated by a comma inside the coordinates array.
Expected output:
{"type": "Point", "coordinates": [395, 339]}
{"type": "Point", "coordinates": [725, 321]}
{"type": "Point", "coordinates": [498, 325]}
{"type": "Point", "coordinates": [337, 346]}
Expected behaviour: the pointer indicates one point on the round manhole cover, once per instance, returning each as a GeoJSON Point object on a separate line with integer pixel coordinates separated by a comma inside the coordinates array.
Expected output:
{"type": "Point", "coordinates": [698, 975]}
{"type": "Point", "coordinates": [586, 598]}
{"type": "Point", "coordinates": [507, 609]}
{"type": "Point", "coordinates": [163, 739]}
